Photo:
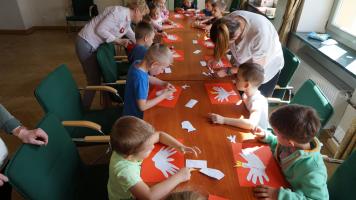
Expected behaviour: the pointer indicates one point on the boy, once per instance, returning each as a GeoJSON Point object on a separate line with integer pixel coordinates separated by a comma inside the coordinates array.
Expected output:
{"type": "Point", "coordinates": [141, 74]}
{"type": "Point", "coordinates": [218, 7]}
{"type": "Point", "coordinates": [297, 150]}
{"type": "Point", "coordinates": [144, 35]}
{"type": "Point", "coordinates": [187, 6]}
{"type": "Point", "coordinates": [132, 140]}
{"type": "Point", "coordinates": [248, 79]}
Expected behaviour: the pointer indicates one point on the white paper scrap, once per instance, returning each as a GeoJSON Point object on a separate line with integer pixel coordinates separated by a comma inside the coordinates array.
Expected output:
{"type": "Point", "coordinates": [191, 103]}
{"type": "Point", "coordinates": [196, 51]}
{"type": "Point", "coordinates": [213, 173]}
{"type": "Point", "coordinates": [187, 125]}
{"type": "Point", "coordinates": [232, 138]}
{"type": "Point", "coordinates": [185, 86]}
{"type": "Point", "coordinates": [195, 41]}
{"type": "Point", "coordinates": [167, 70]}
{"type": "Point", "coordinates": [203, 63]}
{"type": "Point", "coordinates": [196, 163]}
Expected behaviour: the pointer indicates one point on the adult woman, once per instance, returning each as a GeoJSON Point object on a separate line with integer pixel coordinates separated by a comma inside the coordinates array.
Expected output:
{"type": "Point", "coordinates": [110, 26]}
{"type": "Point", "coordinates": [250, 38]}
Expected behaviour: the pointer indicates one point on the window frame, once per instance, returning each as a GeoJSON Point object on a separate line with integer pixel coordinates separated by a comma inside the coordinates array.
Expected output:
{"type": "Point", "coordinates": [337, 33]}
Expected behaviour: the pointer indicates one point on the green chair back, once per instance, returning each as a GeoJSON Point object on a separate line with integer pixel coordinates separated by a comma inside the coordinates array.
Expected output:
{"type": "Point", "coordinates": [58, 93]}
{"type": "Point", "coordinates": [291, 63]}
{"type": "Point", "coordinates": [46, 172]}
{"type": "Point", "coordinates": [105, 56]}
{"type": "Point", "coordinates": [309, 94]}
{"type": "Point", "coordinates": [342, 184]}
{"type": "Point", "coordinates": [235, 5]}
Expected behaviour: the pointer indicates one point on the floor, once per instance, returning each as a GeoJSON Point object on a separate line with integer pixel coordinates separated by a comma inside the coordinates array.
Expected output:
{"type": "Point", "coordinates": [24, 61]}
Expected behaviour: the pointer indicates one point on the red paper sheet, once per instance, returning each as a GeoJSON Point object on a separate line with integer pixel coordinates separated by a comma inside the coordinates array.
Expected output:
{"type": "Point", "coordinates": [225, 62]}
{"type": "Point", "coordinates": [213, 197]}
{"type": "Point", "coordinates": [222, 93]}
{"type": "Point", "coordinates": [177, 39]}
{"type": "Point", "coordinates": [274, 173]}
{"type": "Point", "coordinates": [165, 103]}
{"type": "Point", "coordinates": [178, 55]}
{"type": "Point", "coordinates": [151, 174]}
{"type": "Point", "coordinates": [207, 43]}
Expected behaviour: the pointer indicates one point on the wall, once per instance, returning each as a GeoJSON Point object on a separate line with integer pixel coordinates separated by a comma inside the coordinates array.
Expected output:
{"type": "Point", "coordinates": [314, 15]}
{"type": "Point", "coordinates": [10, 15]}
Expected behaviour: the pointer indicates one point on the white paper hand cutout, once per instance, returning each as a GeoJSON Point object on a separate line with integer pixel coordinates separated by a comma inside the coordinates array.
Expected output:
{"type": "Point", "coordinates": [232, 138]}
{"type": "Point", "coordinates": [185, 86]}
{"type": "Point", "coordinates": [187, 125]}
{"type": "Point", "coordinates": [163, 161]}
{"type": "Point", "coordinates": [256, 166]}
{"type": "Point", "coordinates": [222, 94]}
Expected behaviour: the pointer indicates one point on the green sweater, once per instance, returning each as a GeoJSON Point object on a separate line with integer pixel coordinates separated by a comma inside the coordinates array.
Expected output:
{"type": "Point", "coordinates": [304, 170]}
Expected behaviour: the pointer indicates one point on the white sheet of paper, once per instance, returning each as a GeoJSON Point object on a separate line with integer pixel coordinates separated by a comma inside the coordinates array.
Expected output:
{"type": "Point", "coordinates": [196, 163]}
{"type": "Point", "coordinates": [333, 51]}
{"type": "Point", "coordinates": [195, 41]}
{"type": "Point", "coordinates": [196, 51]}
{"type": "Point", "coordinates": [213, 173]}
{"type": "Point", "coordinates": [191, 103]}
{"type": "Point", "coordinates": [187, 125]}
{"type": "Point", "coordinates": [203, 63]}
{"type": "Point", "coordinates": [167, 70]}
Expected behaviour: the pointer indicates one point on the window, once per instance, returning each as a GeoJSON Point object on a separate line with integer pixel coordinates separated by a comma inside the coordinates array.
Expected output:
{"type": "Point", "coordinates": [342, 22]}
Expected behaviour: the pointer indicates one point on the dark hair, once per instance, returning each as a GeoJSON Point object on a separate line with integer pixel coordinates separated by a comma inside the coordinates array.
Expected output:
{"type": "Point", "coordinates": [220, 33]}
{"type": "Point", "coordinates": [143, 29]}
{"type": "Point", "coordinates": [252, 73]}
{"type": "Point", "coordinates": [186, 195]}
{"type": "Point", "coordinates": [129, 133]}
{"type": "Point", "coordinates": [296, 122]}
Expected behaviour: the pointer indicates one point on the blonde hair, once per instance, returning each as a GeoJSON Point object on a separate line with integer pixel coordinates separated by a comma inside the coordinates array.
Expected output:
{"type": "Point", "coordinates": [219, 4]}
{"type": "Point", "coordinates": [186, 195]}
{"type": "Point", "coordinates": [158, 53]}
{"type": "Point", "coordinates": [138, 4]}
{"type": "Point", "coordinates": [220, 33]}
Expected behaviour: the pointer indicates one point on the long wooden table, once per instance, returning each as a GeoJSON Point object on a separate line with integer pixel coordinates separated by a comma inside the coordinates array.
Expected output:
{"type": "Point", "coordinates": [210, 138]}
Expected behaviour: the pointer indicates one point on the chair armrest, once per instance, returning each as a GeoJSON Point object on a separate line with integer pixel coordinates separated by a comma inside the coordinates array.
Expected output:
{"type": "Point", "coordinates": [118, 82]}
{"type": "Point", "coordinates": [283, 88]}
{"type": "Point", "coordinates": [277, 100]}
{"type": "Point", "coordinates": [96, 139]}
{"type": "Point", "coordinates": [101, 88]}
{"type": "Point", "coordinates": [82, 123]}
{"type": "Point", "coordinates": [120, 57]}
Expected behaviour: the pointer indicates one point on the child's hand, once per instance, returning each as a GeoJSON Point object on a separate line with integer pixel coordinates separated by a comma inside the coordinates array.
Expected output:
{"type": "Point", "coordinates": [221, 73]}
{"type": "Point", "coordinates": [216, 119]}
{"type": "Point", "coordinates": [265, 192]}
{"type": "Point", "coordinates": [184, 149]}
{"type": "Point", "coordinates": [123, 42]}
{"type": "Point", "coordinates": [184, 174]}
{"type": "Point", "coordinates": [3, 179]}
{"type": "Point", "coordinates": [259, 133]}
{"type": "Point", "coordinates": [168, 94]}
{"type": "Point", "coordinates": [171, 87]}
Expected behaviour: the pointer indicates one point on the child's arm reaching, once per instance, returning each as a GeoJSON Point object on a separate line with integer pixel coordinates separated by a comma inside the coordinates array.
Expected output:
{"type": "Point", "coordinates": [142, 191]}
{"type": "Point", "coordinates": [266, 136]}
{"type": "Point", "coordinates": [156, 81]}
{"type": "Point", "coordinates": [145, 104]}
{"type": "Point", "coordinates": [249, 123]}
{"type": "Point", "coordinates": [168, 140]}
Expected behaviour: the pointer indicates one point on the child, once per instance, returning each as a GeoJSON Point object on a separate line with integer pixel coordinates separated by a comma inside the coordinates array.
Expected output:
{"type": "Point", "coordinates": [187, 6]}
{"type": "Point", "coordinates": [164, 11]}
{"type": "Point", "coordinates": [248, 79]}
{"type": "Point", "coordinates": [144, 35]}
{"type": "Point", "coordinates": [157, 21]}
{"type": "Point", "coordinates": [132, 140]}
{"type": "Point", "coordinates": [297, 150]}
{"type": "Point", "coordinates": [208, 8]}
{"type": "Point", "coordinates": [156, 59]}
{"type": "Point", "coordinates": [186, 195]}
{"type": "Point", "coordinates": [218, 8]}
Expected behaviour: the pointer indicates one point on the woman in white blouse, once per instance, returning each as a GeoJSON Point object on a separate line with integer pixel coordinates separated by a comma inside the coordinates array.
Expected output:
{"type": "Point", "coordinates": [110, 26]}
{"type": "Point", "coordinates": [251, 38]}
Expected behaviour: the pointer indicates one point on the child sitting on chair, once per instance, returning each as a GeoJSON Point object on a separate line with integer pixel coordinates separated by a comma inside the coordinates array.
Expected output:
{"type": "Point", "coordinates": [187, 6]}
{"type": "Point", "coordinates": [207, 11]}
{"type": "Point", "coordinates": [248, 79]}
{"type": "Point", "coordinates": [297, 151]}
{"type": "Point", "coordinates": [157, 21]}
{"type": "Point", "coordinates": [144, 34]}
{"type": "Point", "coordinates": [141, 74]}
{"type": "Point", "coordinates": [218, 8]}
{"type": "Point", "coordinates": [132, 140]}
